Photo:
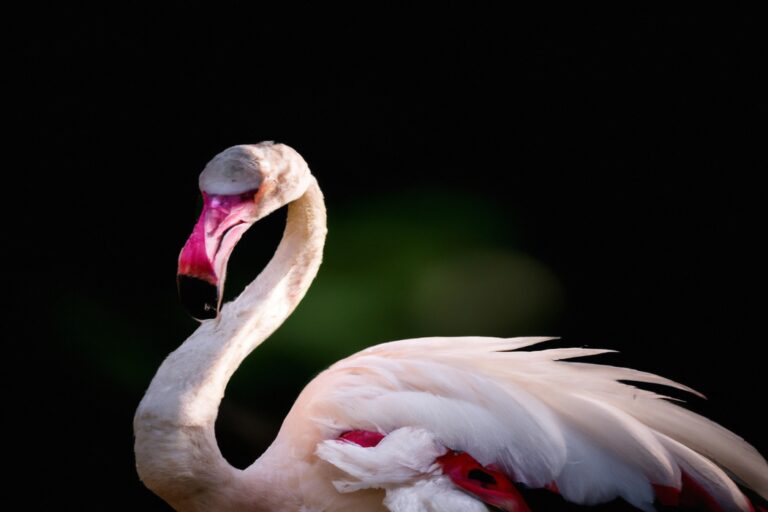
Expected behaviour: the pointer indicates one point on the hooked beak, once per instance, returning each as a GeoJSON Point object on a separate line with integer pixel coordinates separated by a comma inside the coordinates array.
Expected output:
{"type": "Point", "coordinates": [203, 260]}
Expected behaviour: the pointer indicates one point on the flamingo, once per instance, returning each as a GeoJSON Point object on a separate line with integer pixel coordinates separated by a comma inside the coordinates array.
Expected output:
{"type": "Point", "coordinates": [431, 424]}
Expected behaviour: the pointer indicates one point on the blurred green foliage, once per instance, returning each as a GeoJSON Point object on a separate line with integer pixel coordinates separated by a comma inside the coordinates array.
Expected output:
{"type": "Point", "coordinates": [399, 266]}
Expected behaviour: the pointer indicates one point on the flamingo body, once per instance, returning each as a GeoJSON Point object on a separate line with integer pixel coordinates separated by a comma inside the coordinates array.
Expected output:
{"type": "Point", "coordinates": [432, 424]}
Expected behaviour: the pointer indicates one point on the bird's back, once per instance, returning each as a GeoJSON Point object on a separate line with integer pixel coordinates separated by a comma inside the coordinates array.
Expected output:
{"type": "Point", "coordinates": [572, 427]}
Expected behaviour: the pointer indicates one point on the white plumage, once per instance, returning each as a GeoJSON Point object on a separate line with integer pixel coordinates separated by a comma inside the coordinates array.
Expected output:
{"type": "Point", "coordinates": [542, 421]}
{"type": "Point", "coordinates": [403, 464]}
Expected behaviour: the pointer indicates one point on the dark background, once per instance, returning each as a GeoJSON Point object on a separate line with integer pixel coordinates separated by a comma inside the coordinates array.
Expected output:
{"type": "Point", "coordinates": [582, 174]}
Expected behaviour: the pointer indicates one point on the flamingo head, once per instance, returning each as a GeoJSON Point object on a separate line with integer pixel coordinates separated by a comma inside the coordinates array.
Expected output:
{"type": "Point", "coordinates": [241, 185]}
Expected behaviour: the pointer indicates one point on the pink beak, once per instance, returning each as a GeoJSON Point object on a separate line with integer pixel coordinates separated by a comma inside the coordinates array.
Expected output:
{"type": "Point", "coordinates": [203, 260]}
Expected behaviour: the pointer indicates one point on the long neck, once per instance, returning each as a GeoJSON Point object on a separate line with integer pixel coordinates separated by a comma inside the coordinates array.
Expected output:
{"type": "Point", "coordinates": [176, 451]}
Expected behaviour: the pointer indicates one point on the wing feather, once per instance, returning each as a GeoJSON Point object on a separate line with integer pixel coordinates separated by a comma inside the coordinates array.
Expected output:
{"type": "Point", "coordinates": [538, 417]}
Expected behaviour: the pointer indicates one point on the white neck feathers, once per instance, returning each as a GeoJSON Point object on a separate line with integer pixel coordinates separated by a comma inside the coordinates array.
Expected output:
{"type": "Point", "coordinates": [176, 451]}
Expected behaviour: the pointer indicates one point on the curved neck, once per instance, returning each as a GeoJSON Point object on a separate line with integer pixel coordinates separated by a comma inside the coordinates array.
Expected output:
{"type": "Point", "coordinates": [176, 451]}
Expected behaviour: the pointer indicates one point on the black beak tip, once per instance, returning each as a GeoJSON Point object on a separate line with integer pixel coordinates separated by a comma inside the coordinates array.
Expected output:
{"type": "Point", "coordinates": [200, 298]}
